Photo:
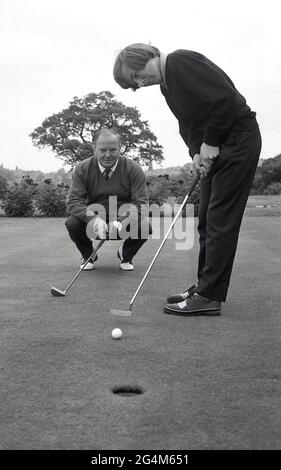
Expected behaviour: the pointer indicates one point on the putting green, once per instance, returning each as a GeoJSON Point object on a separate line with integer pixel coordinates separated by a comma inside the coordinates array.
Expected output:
{"type": "Point", "coordinates": [207, 383]}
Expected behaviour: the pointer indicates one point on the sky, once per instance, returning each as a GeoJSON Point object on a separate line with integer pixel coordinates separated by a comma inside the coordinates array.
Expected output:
{"type": "Point", "coordinates": [53, 50]}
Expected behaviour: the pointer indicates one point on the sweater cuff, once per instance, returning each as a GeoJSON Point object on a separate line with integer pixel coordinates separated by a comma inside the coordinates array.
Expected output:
{"type": "Point", "coordinates": [212, 138]}
{"type": "Point", "coordinates": [88, 218]}
{"type": "Point", "coordinates": [193, 151]}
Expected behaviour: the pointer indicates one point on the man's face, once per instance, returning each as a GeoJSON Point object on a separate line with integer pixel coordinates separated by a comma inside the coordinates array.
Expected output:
{"type": "Point", "coordinates": [107, 150]}
{"type": "Point", "coordinates": [150, 74]}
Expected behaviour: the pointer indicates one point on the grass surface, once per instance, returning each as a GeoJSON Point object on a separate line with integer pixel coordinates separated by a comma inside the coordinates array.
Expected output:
{"type": "Point", "coordinates": [264, 206]}
{"type": "Point", "coordinates": [209, 383]}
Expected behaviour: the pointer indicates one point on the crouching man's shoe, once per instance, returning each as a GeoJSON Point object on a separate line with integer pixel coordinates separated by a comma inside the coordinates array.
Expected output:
{"type": "Point", "coordinates": [90, 265]}
{"type": "Point", "coordinates": [124, 265]}
{"type": "Point", "coordinates": [193, 306]}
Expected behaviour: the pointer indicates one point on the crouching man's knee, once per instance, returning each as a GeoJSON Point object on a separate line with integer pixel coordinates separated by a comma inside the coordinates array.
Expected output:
{"type": "Point", "coordinates": [74, 225]}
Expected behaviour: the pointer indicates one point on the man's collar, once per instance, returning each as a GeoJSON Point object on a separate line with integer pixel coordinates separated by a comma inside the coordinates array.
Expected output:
{"type": "Point", "coordinates": [163, 58]}
{"type": "Point", "coordinates": [113, 168]}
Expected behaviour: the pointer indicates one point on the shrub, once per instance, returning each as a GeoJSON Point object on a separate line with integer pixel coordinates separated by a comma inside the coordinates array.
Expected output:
{"type": "Point", "coordinates": [268, 177]}
{"type": "Point", "coordinates": [160, 188]}
{"type": "Point", "coordinates": [273, 189]}
{"type": "Point", "coordinates": [194, 199]}
{"type": "Point", "coordinates": [3, 186]}
{"type": "Point", "coordinates": [18, 199]}
{"type": "Point", "coordinates": [51, 199]}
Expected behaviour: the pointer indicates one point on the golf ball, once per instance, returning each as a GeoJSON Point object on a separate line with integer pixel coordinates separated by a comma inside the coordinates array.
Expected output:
{"type": "Point", "coordinates": [116, 333]}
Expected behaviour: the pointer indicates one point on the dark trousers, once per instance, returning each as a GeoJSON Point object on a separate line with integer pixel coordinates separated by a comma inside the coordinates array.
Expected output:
{"type": "Point", "coordinates": [223, 197]}
{"type": "Point", "coordinates": [77, 232]}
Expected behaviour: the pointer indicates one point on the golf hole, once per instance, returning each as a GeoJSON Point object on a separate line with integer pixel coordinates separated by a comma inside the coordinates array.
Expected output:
{"type": "Point", "coordinates": [127, 391]}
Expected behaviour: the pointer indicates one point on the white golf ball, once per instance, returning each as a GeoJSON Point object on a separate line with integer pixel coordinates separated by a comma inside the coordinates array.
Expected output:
{"type": "Point", "coordinates": [116, 333]}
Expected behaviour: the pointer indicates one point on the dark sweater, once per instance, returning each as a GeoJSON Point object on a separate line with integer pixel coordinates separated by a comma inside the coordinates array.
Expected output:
{"type": "Point", "coordinates": [89, 186]}
{"type": "Point", "coordinates": [203, 99]}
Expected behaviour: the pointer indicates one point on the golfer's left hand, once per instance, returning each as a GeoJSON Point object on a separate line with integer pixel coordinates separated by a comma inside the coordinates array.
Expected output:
{"type": "Point", "coordinates": [114, 227]}
{"type": "Point", "coordinates": [100, 228]}
{"type": "Point", "coordinates": [208, 154]}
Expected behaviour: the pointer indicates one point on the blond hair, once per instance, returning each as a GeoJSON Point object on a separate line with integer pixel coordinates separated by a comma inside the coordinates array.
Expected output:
{"type": "Point", "coordinates": [129, 60]}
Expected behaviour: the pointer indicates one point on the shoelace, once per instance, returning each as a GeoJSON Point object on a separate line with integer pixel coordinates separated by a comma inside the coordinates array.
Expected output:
{"type": "Point", "coordinates": [191, 296]}
{"type": "Point", "coordinates": [191, 290]}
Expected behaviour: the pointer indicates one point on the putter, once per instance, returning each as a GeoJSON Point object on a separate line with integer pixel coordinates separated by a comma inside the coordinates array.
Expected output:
{"type": "Point", "coordinates": [61, 293]}
{"type": "Point", "coordinates": [127, 313]}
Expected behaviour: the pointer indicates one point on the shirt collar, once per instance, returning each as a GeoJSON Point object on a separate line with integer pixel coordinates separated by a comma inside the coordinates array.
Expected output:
{"type": "Point", "coordinates": [113, 168]}
{"type": "Point", "coordinates": [163, 58]}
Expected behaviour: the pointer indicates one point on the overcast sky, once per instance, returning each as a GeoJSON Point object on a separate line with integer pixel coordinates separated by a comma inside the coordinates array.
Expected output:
{"type": "Point", "coordinates": [53, 50]}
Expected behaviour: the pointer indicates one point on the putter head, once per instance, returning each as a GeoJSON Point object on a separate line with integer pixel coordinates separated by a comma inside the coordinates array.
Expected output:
{"type": "Point", "coordinates": [57, 292]}
{"type": "Point", "coordinates": [121, 313]}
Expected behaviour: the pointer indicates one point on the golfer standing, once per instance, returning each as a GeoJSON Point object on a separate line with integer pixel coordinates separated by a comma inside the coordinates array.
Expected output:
{"type": "Point", "coordinates": [224, 142]}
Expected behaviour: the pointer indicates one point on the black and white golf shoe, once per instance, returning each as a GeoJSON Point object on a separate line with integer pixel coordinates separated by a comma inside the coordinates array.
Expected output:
{"type": "Point", "coordinates": [90, 265]}
{"type": "Point", "coordinates": [193, 306]}
{"type": "Point", "coordinates": [124, 265]}
{"type": "Point", "coordinates": [176, 298]}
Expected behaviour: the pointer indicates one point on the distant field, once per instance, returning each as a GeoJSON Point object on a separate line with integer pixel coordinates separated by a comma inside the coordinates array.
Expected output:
{"type": "Point", "coordinates": [270, 200]}
{"type": "Point", "coordinates": [264, 205]}
{"type": "Point", "coordinates": [256, 206]}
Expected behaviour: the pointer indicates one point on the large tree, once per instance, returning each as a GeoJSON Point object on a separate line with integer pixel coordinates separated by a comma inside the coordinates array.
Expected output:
{"type": "Point", "coordinates": [69, 133]}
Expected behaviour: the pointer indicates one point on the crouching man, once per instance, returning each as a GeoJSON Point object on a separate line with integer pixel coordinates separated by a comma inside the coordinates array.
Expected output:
{"type": "Point", "coordinates": [95, 182]}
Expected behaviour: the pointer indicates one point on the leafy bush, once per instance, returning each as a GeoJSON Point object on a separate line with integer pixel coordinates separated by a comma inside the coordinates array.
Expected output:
{"type": "Point", "coordinates": [273, 189]}
{"type": "Point", "coordinates": [18, 200]}
{"type": "Point", "coordinates": [51, 199]}
{"type": "Point", "coordinates": [268, 177]}
{"type": "Point", "coordinates": [3, 186]}
{"type": "Point", "coordinates": [162, 187]}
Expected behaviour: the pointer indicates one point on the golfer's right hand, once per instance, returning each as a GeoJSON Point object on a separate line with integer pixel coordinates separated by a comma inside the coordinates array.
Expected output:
{"type": "Point", "coordinates": [100, 228]}
{"type": "Point", "coordinates": [199, 168]}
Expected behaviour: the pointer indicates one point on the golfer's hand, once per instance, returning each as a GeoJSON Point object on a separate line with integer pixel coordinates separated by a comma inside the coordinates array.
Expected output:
{"type": "Point", "coordinates": [203, 162]}
{"type": "Point", "coordinates": [208, 154]}
{"type": "Point", "coordinates": [100, 228]}
{"type": "Point", "coordinates": [114, 227]}
{"type": "Point", "coordinates": [198, 167]}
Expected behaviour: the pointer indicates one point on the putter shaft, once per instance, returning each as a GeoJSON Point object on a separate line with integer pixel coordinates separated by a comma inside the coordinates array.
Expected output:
{"type": "Point", "coordinates": [163, 241]}
{"type": "Point", "coordinates": [57, 292]}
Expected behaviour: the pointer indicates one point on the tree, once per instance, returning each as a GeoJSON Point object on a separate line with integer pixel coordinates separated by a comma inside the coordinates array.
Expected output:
{"type": "Point", "coordinates": [69, 133]}
{"type": "Point", "coordinates": [268, 177]}
{"type": "Point", "coordinates": [3, 185]}
{"type": "Point", "coordinates": [271, 170]}
{"type": "Point", "coordinates": [7, 174]}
